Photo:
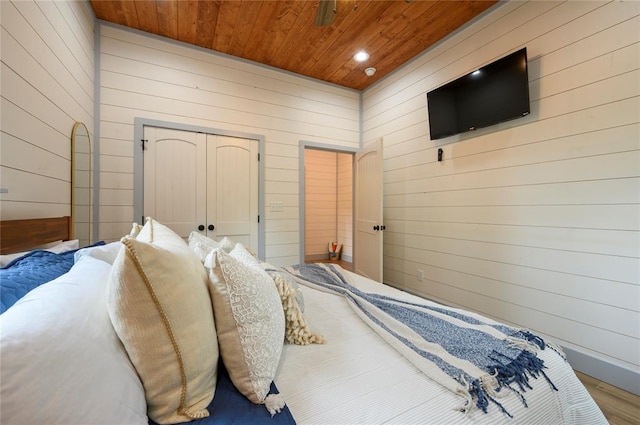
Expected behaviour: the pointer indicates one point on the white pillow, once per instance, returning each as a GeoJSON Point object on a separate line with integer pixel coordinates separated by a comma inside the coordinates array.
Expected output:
{"type": "Point", "coordinates": [160, 308]}
{"type": "Point", "coordinates": [106, 253]}
{"type": "Point", "coordinates": [7, 258]}
{"type": "Point", "coordinates": [249, 320]}
{"type": "Point", "coordinates": [64, 246]}
{"type": "Point", "coordinates": [202, 245]}
{"type": "Point", "coordinates": [57, 247]}
{"type": "Point", "coordinates": [62, 362]}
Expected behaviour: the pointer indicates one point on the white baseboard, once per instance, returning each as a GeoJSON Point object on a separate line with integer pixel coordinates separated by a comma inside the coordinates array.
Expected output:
{"type": "Point", "coordinates": [615, 375]}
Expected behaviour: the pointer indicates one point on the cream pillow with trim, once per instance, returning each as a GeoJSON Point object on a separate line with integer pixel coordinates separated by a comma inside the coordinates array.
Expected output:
{"type": "Point", "coordinates": [135, 230]}
{"type": "Point", "coordinates": [160, 308]}
{"type": "Point", "coordinates": [249, 320]}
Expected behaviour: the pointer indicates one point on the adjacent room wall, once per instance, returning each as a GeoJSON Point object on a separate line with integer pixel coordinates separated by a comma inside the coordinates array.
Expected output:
{"type": "Point", "coordinates": [328, 203]}
{"type": "Point", "coordinates": [536, 221]}
{"type": "Point", "coordinates": [345, 205]}
{"type": "Point", "coordinates": [321, 197]}
{"type": "Point", "coordinates": [150, 77]}
{"type": "Point", "coordinates": [47, 85]}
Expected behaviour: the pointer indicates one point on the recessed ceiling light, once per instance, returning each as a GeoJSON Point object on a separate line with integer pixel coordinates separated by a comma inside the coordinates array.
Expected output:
{"type": "Point", "coordinates": [361, 56]}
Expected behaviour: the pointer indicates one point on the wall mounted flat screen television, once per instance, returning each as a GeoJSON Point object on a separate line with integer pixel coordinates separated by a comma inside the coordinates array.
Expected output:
{"type": "Point", "coordinates": [493, 94]}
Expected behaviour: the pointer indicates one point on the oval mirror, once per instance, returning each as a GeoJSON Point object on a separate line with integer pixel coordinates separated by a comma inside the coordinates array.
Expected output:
{"type": "Point", "coordinates": [81, 185]}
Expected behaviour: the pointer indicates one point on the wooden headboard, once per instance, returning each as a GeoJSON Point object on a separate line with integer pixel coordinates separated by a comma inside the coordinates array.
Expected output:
{"type": "Point", "coordinates": [23, 235]}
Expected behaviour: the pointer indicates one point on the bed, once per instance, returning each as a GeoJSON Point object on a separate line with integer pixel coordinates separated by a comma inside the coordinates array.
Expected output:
{"type": "Point", "coordinates": [107, 342]}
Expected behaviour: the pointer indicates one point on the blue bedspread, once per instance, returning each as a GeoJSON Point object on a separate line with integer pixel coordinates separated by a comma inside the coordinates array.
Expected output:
{"type": "Point", "coordinates": [30, 271]}
{"type": "Point", "coordinates": [230, 407]}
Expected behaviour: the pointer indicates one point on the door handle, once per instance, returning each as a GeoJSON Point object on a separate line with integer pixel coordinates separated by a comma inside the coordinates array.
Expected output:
{"type": "Point", "coordinates": [383, 227]}
{"type": "Point", "coordinates": [376, 227]}
{"type": "Point", "coordinates": [201, 227]}
{"type": "Point", "coordinates": [211, 227]}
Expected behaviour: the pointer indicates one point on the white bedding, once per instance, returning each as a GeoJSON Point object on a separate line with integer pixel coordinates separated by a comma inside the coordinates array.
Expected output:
{"type": "Point", "coordinates": [55, 344]}
{"type": "Point", "coordinates": [357, 378]}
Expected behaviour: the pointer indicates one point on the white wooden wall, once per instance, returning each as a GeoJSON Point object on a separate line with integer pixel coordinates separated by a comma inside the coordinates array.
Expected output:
{"type": "Point", "coordinates": [321, 200]}
{"type": "Point", "coordinates": [47, 81]}
{"type": "Point", "coordinates": [535, 221]}
{"type": "Point", "coordinates": [149, 77]}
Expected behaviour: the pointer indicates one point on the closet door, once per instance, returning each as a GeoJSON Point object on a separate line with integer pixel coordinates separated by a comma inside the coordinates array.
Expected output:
{"type": "Point", "coordinates": [232, 189]}
{"type": "Point", "coordinates": [175, 178]}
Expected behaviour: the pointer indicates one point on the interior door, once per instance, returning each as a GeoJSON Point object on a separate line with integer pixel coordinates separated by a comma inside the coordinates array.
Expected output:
{"type": "Point", "coordinates": [175, 174]}
{"type": "Point", "coordinates": [232, 194]}
{"type": "Point", "coordinates": [202, 182]}
{"type": "Point", "coordinates": [368, 211]}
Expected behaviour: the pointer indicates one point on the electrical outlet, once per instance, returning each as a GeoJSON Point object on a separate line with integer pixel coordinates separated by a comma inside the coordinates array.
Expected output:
{"type": "Point", "coordinates": [420, 275]}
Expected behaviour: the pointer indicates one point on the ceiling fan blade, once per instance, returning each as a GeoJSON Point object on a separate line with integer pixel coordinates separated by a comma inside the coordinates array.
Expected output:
{"type": "Point", "coordinates": [326, 12]}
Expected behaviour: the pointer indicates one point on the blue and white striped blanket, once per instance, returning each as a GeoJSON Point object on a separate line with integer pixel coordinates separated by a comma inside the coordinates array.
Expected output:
{"type": "Point", "coordinates": [473, 356]}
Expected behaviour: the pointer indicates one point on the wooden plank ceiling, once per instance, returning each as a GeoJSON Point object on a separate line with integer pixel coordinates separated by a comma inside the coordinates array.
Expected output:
{"type": "Point", "coordinates": [282, 33]}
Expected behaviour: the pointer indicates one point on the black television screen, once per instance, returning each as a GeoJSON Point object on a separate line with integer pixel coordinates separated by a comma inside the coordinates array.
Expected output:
{"type": "Point", "coordinates": [494, 93]}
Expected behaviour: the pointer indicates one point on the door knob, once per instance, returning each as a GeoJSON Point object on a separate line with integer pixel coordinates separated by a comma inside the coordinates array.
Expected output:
{"type": "Point", "coordinates": [211, 227]}
{"type": "Point", "coordinates": [201, 227]}
{"type": "Point", "coordinates": [376, 227]}
{"type": "Point", "coordinates": [383, 227]}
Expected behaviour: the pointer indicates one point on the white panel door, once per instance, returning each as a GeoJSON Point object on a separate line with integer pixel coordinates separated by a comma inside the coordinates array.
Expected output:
{"type": "Point", "coordinates": [368, 211]}
{"type": "Point", "coordinates": [175, 174]}
{"type": "Point", "coordinates": [202, 182]}
{"type": "Point", "coordinates": [232, 194]}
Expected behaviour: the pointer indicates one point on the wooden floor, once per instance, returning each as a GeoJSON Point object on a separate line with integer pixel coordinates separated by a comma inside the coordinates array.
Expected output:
{"type": "Point", "coordinates": [341, 263]}
{"type": "Point", "coordinates": [618, 406]}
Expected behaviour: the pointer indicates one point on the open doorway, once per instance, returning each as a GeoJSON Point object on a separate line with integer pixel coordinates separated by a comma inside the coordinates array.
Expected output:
{"type": "Point", "coordinates": [328, 206]}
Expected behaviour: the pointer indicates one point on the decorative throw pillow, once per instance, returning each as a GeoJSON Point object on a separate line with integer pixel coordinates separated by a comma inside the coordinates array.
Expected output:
{"type": "Point", "coordinates": [249, 321]}
{"type": "Point", "coordinates": [296, 329]}
{"type": "Point", "coordinates": [160, 308]}
{"type": "Point", "coordinates": [135, 229]}
{"type": "Point", "coordinates": [202, 245]}
{"type": "Point", "coordinates": [273, 271]}
{"type": "Point", "coordinates": [226, 244]}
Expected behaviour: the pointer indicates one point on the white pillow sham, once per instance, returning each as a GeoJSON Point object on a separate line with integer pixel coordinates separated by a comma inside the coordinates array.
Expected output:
{"type": "Point", "coordinates": [106, 253]}
{"type": "Point", "coordinates": [160, 308]}
{"type": "Point", "coordinates": [56, 247]}
{"type": "Point", "coordinates": [202, 245]}
{"type": "Point", "coordinates": [62, 362]}
{"type": "Point", "coordinates": [249, 321]}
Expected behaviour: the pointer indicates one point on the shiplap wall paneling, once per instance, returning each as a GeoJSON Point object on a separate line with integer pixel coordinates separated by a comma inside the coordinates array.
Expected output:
{"type": "Point", "coordinates": [321, 202]}
{"type": "Point", "coordinates": [47, 84]}
{"type": "Point", "coordinates": [281, 171]}
{"type": "Point", "coordinates": [152, 78]}
{"type": "Point", "coordinates": [345, 204]}
{"type": "Point", "coordinates": [536, 221]}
